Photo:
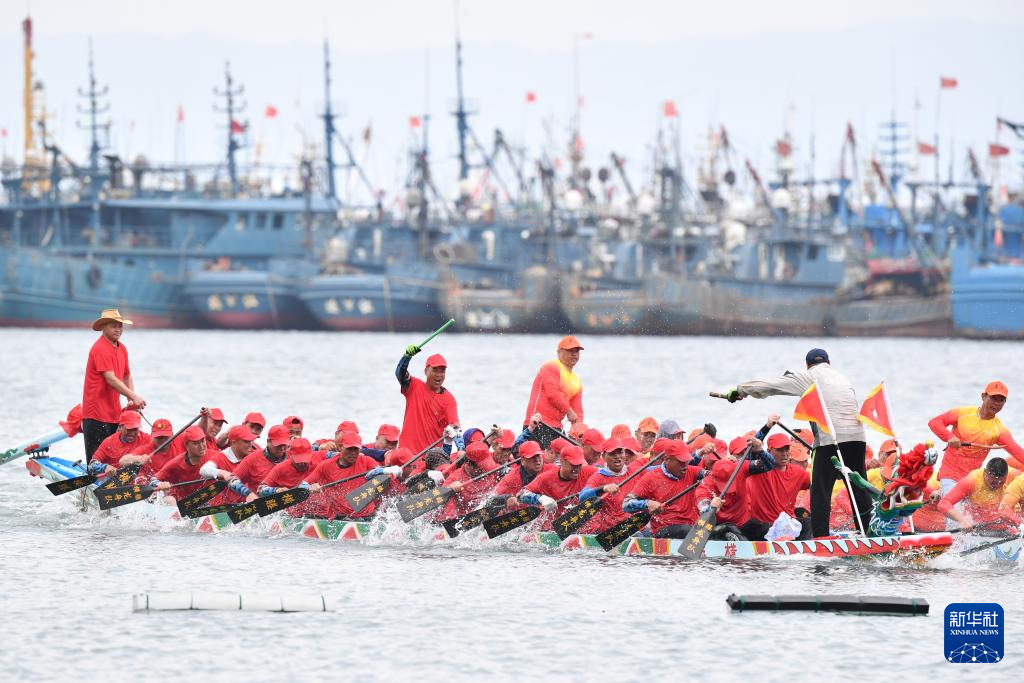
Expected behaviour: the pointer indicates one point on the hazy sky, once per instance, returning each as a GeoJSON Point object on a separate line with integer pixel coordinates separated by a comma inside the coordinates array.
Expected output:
{"type": "Point", "coordinates": [756, 67]}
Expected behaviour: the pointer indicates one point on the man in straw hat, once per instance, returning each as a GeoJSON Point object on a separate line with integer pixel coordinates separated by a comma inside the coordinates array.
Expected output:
{"type": "Point", "coordinates": [107, 376]}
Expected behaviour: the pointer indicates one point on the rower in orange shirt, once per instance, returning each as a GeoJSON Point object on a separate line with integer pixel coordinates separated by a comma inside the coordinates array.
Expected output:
{"type": "Point", "coordinates": [981, 428]}
{"type": "Point", "coordinates": [557, 393]}
{"type": "Point", "coordinates": [980, 494]}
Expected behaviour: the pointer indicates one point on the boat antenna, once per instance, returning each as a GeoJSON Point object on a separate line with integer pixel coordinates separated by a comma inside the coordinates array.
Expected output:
{"type": "Point", "coordinates": [94, 110]}
{"type": "Point", "coordinates": [460, 113]}
{"type": "Point", "coordinates": [234, 127]}
{"type": "Point", "coordinates": [328, 117]}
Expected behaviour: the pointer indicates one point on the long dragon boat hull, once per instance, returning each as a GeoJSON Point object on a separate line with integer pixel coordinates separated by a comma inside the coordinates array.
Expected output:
{"type": "Point", "coordinates": [914, 547]}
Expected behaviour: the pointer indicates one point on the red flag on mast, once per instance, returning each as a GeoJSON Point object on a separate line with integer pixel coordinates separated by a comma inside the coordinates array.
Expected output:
{"type": "Point", "coordinates": [669, 109]}
{"type": "Point", "coordinates": [947, 82]}
{"type": "Point", "coordinates": [237, 127]}
{"type": "Point", "coordinates": [531, 97]}
{"type": "Point", "coordinates": [270, 112]}
{"type": "Point", "coordinates": [995, 150]}
{"type": "Point", "coordinates": [875, 412]}
{"type": "Point", "coordinates": [811, 407]}
{"type": "Point", "coordinates": [414, 122]}
{"type": "Point", "coordinates": [924, 148]}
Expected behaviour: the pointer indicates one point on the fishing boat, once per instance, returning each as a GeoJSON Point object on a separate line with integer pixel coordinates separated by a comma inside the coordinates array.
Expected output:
{"type": "Point", "coordinates": [913, 547]}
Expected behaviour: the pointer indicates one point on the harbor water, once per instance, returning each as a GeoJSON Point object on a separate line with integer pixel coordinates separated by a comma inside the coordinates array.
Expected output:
{"type": "Point", "coordinates": [403, 610]}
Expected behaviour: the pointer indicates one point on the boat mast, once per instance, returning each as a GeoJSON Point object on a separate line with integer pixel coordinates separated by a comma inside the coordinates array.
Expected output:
{"type": "Point", "coordinates": [328, 117]}
{"type": "Point", "coordinates": [460, 112]}
{"type": "Point", "coordinates": [94, 111]}
{"type": "Point", "coordinates": [229, 94]}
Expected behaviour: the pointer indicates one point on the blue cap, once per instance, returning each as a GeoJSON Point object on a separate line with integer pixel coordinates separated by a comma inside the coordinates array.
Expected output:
{"type": "Point", "coordinates": [815, 356]}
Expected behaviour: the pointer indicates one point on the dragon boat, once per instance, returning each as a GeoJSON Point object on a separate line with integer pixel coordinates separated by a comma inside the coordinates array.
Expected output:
{"type": "Point", "coordinates": [914, 548]}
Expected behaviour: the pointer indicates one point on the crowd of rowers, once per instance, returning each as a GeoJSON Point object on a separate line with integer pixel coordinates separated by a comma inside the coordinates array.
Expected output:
{"type": "Point", "coordinates": [774, 477]}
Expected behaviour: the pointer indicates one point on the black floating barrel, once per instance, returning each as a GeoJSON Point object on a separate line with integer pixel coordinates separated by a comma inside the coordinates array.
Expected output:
{"type": "Point", "coordinates": [856, 604]}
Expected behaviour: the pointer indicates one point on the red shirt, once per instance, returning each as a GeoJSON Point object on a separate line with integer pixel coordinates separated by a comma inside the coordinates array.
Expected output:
{"type": "Point", "coordinates": [548, 483]}
{"type": "Point", "coordinates": [283, 475]}
{"type": "Point", "coordinates": [512, 482]}
{"type": "Point", "coordinates": [331, 503]}
{"type": "Point", "coordinates": [611, 505]}
{"type": "Point", "coordinates": [221, 460]}
{"type": "Point", "coordinates": [99, 400]}
{"type": "Point", "coordinates": [775, 492]}
{"type": "Point", "coordinates": [657, 485]}
{"type": "Point", "coordinates": [253, 469]}
{"type": "Point", "coordinates": [556, 388]}
{"type": "Point", "coordinates": [178, 470]}
{"type": "Point", "coordinates": [426, 415]}
{"type": "Point", "coordinates": [472, 493]}
{"type": "Point", "coordinates": [736, 504]}
{"type": "Point", "coordinates": [113, 449]}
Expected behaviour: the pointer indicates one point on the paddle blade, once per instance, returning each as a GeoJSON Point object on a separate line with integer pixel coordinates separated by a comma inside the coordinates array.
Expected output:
{"type": "Point", "coordinates": [123, 477]}
{"type": "Point", "coordinates": [198, 512]}
{"type": "Point", "coordinates": [59, 488]}
{"type": "Point", "coordinates": [613, 536]}
{"type": "Point", "coordinates": [693, 544]}
{"type": "Point", "coordinates": [571, 520]}
{"type": "Point", "coordinates": [420, 483]}
{"type": "Point", "coordinates": [281, 501]}
{"type": "Point", "coordinates": [474, 519]}
{"type": "Point", "coordinates": [412, 507]}
{"type": "Point", "coordinates": [364, 494]}
{"type": "Point", "coordinates": [242, 512]}
{"type": "Point", "coordinates": [502, 524]}
{"type": "Point", "coordinates": [123, 495]}
{"type": "Point", "coordinates": [198, 497]}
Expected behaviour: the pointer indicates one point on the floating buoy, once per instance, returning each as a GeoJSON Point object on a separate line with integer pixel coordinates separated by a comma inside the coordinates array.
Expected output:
{"type": "Point", "coordinates": [859, 604]}
{"type": "Point", "coordinates": [250, 602]}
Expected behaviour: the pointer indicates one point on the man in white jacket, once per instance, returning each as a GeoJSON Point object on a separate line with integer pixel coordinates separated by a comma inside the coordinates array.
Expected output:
{"type": "Point", "coordinates": [848, 441]}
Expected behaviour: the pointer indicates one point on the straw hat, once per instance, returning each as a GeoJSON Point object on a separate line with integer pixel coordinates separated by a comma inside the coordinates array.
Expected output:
{"type": "Point", "coordinates": [108, 315]}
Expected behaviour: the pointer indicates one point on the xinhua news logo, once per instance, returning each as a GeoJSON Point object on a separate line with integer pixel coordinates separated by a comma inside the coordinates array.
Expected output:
{"type": "Point", "coordinates": [974, 633]}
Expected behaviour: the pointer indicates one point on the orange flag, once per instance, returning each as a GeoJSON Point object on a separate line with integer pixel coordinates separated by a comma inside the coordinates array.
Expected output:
{"type": "Point", "coordinates": [811, 408]}
{"type": "Point", "coordinates": [875, 412]}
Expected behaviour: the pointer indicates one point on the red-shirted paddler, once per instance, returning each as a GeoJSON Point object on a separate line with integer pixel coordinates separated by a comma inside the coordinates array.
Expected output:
{"type": "Point", "coordinates": [531, 464]}
{"type": "Point", "coordinates": [239, 449]}
{"type": "Point", "coordinates": [254, 421]}
{"type": "Point", "coordinates": [606, 481]}
{"type": "Point", "coordinates": [294, 425]}
{"type": "Point", "coordinates": [553, 484]}
{"type": "Point", "coordinates": [469, 494]}
{"type": "Point", "coordinates": [662, 482]}
{"type": "Point", "coordinates": [128, 439]}
{"type": "Point", "coordinates": [557, 392]}
{"type": "Point", "coordinates": [331, 503]}
{"type": "Point", "coordinates": [187, 466]}
{"type": "Point", "coordinates": [592, 441]}
{"type": "Point", "coordinates": [107, 378]}
{"type": "Point", "coordinates": [291, 472]}
{"type": "Point", "coordinates": [246, 478]}
{"type": "Point", "coordinates": [212, 422]}
{"type": "Point", "coordinates": [734, 508]}
{"type": "Point", "coordinates": [776, 491]}
{"type": "Point", "coordinates": [147, 456]}
{"type": "Point", "coordinates": [430, 409]}
{"type": "Point", "coordinates": [501, 446]}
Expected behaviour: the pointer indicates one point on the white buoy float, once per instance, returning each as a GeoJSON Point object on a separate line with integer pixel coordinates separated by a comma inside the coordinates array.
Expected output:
{"type": "Point", "coordinates": [204, 600]}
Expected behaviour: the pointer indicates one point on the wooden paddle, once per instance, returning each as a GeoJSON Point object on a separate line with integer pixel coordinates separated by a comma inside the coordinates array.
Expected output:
{"type": "Point", "coordinates": [199, 497]}
{"type": "Point", "coordinates": [361, 496]}
{"type": "Point", "coordinates": [700, 533]}
{"type": "Point", "coordinates": [613, 536]}
{"type": "Point", "coordinates": [992, 544]}
{"type": "Point", "coordinates": [572, 519]}
{"type": "Point", "coordinates": [125, 495]}
{"type": "Point", "coordinates": [502, 524]}
{"type": "Point", "coordinates": [59, 488]}
{"type": "Point", "coordinates": [279, 501]}
{"type": "Point", "coordinates": [196, 513]}
{"type": "Point", "coordinates": [122, 477]}
{"type": "Point", "coordinates": [419, 504]}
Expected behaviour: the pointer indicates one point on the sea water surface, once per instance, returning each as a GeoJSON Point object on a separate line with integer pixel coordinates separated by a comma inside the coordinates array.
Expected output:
{"type": "Point", "coordinates": [403, 610]}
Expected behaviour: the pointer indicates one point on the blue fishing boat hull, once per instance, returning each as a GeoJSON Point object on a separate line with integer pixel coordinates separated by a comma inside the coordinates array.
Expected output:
{"type": "Point", "coordinates": [530, 307]}
{"type": "Point", "coordinates": [374, 302]}
{"type": "Point", "coordinates": [248, 299]}
{"type": "Point", "coordinates": [988, 299]}
{"type": "Point", "coordinates": [607, 306]}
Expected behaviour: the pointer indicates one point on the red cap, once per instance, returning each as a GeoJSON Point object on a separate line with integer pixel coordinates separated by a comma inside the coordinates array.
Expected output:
{"type": "Point", "coordinates": [721, 471]}
{"type": "Point", "coordinates": [569, 342]}
{"type": "Point", "coordinates": [632, 445]}
{"type": "Point", "coordinates": [398, 456]}
{"type": "Point", "coordinates": [738, 445]}
{"type": "Point", "coordinates": [389, 432]}
{"type": "Point", "coordinates": [217, 414]}
{"type": "Point", "coordinates": [162, 427]}
{"type": "Point", "coordinates": [256, 419]}
{"type": "Point", "coordinates": [300, 451]}
{"type": "Point", "coordinates": [194, 433]}
{"type": "Point", "coordinates": [997, 388]}
{"type": "Point", "coordinates": [577, 429]}
{"type": "Point", "coordinates": [278, 435]}
{"type": "Point", "coordinates": [507, 438]}
{"type": "Point", "coordinates": [477, 452]}
{"type": "Point", "coordinates": [130, 419]}
{"type": "Point", "coordinates": [678, 450]}
{"type": "Point", "coordinates": [888, 446]}
{"type": "Point", "coordinates": [621, 431]}
{"type": "Point", "coordinates": [663, 445]}
{"type": "Point", "coordinates": [557, 445]}
{"type": "Point", "coordinates": [528, 449]}
{"type": "Point", "coordinates": [437, 361]}
{"type": "Point", "coordinates": [721, 448]}
{"type": "Point", "coordinates": [351, 440]}
{"type": "Point", "coordinates": [291, 421]}
{"type": "Point", "coordinates": [347, 426]}
{"type": "Point", "coordinates": [573, 455]}
{"type": "Point", "coordinates": [241, 432]}
{"type": "Point", "coordinates": [612, 444]}
{"type": "Point", "coordinates": [648, 424]}
{"type": "Point", "coordinates": [699, 442]}
{"type": "Point", "coordinates": [476, 435]}
{"type": "Point", "coordinates": [593, 438]}
{"type": "Point", "coordinates": [778, 441]}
